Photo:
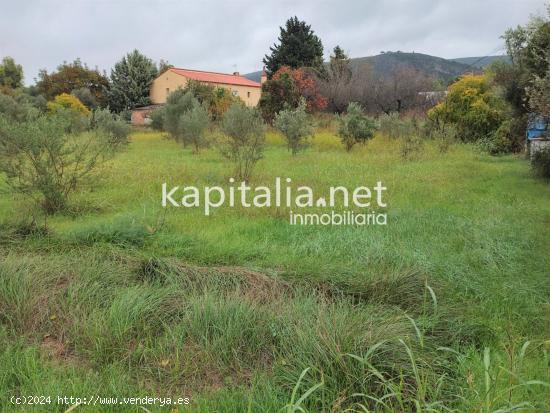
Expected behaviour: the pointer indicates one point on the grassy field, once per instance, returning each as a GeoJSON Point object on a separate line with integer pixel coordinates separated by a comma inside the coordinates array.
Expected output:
{"type": "Point", "coordinates": [444, 309]}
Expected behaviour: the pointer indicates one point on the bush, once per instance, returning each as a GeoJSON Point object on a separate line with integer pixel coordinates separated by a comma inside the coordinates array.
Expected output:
{"type": "Point", "coordinates": [192, 126]}
{"type": "Point", "coordinates": [157, 118]}
{"type": "Point", "coordinates": [86, 97]}
{"type": "Point", "coordinates": [355, 127]}
{"type": "Point", "coordinates": [540, 162]}
{"type": "Point", "coordinates": [411, 146]}
{"type": "Point", "coordinates": [111, 125]}
{"type": "Point", "coordinates": [472, 106]}
{"type": "Point", "coordinates": [396, 127]}
{"type": "Point", "coordinates": [44, 159]}
{"type": "Point", "coordinates": [501, 140]}
{"type": "Point", "coordinates": [245, 131]}
{"type": "Point", "coordinates": [10, 108]}
{"type": "Point", "coordinates": [216, 99]}
{"type": "Point", "coordinates": [66, 101]}
{"type": "Point", "coordinates": [296, 126]}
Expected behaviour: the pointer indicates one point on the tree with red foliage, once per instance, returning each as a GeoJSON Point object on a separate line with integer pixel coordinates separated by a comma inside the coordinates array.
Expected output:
{"type": "Point", "coordinates": [306, 85]}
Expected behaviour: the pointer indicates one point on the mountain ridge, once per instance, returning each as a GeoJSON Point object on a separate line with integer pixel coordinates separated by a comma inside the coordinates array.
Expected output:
{"type": "Point", "coordinates": [446, 70]}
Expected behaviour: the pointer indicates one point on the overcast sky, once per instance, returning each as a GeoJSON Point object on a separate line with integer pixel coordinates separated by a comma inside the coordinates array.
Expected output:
{"type": "Point", "coordinates": [234, 35]}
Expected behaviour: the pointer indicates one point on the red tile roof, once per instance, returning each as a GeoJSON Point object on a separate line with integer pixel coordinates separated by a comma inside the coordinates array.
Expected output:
{"type": "Point", "coordinates": [213, 77]}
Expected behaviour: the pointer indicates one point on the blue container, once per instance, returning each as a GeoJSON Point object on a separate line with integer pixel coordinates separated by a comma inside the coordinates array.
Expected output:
{"type": "Point", "coordinates": [537, 127]}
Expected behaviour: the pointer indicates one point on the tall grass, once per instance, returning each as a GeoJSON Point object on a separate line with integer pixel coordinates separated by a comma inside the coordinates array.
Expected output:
{"type": "Point", "coordinates": [445, 309]}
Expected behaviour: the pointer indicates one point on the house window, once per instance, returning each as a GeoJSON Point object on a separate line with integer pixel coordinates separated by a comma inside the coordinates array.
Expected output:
{"type": "Point", "coordinates": [167, 91]}
{"type": "Point", "coordinates": [247, 94]}
{"type": "Point", "coordinates": [235, 93]}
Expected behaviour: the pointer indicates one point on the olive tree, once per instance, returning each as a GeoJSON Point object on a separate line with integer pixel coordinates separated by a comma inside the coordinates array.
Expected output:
{"type": "Point", "coordinates": [192, 126]}
{"type": "Point", "coordinates": [354, 127]}
{"type": "Point", "coordinates": [44, 158]}
{"type": "Point", "coordinates": [296, 126]}
{"type": "Point", "coordinates": [245, 133]}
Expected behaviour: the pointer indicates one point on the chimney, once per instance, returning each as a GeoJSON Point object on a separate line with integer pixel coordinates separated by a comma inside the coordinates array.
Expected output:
{"type": "Point", "coordinates": [236, 74]}
{"type": "Point", "coordinates": [263, 77]}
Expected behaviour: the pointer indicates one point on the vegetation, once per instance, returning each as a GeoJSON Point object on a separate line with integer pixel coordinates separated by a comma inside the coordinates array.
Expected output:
{"type": "Point", "coordinates": [245, 132]}
{"type": "Point", "coordinates": [278, 94]}
{"type": "Point", "coordinates": [11, 74]}
{"type": "Point", "coordinates": [296, 127]}
{"type": "Point", "coordinates": [45, 159]}
{"type": "Point", "coordinates": [249, 313]}
{"type": "Point", "coordinates": [472, 107]}
{"type": "Point", "coordinates": [192, 126]}
{"type": "Point", "coordinates": [298, 47]}
{"type": "Point", "coordinates": [355, 127]}
{"type": "Point", "coordinates": [68, 102]}
{"type": "Point", "coordinates": [86, 96]}
{"type": "Point", "coordinates": [72, 76]}
{"type": "Point", "coordinates": [541, 163]}
{"type": "Point", "coordinates": [130, 81]}
{"type": "Point", "coordinates": [216, 99]}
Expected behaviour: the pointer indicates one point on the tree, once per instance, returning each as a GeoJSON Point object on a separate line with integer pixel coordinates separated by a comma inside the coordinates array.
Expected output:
{"type": "Point", "coordinates": [130, 82]}
{"type": "Point", "coordinates": [72, 76]}
{"type": "Point", "coordinates": [306, 86]}
{"type": "Point", "coordinates": [296, 127]}
{"type": "Point", "coordinates": [216, 99]}
{"type": "Point", "coordinates": [245, 132]}
{"type": "Point", "coordinates": [192, 126]}
{"type": "Point", "coordinates": [86, 97]}
{"type": "Point", "coordinates": [399, 91]}
{"type": "Point", "coordinates": [337, 81]}
{"type": "Point", "coordinates": [164, 65]}
{"type": "Point", "coordinates": [528, 47]}
{"type": "Point", "coordinates": [298, 47]}
{"type": "Point", "coordinates": [472, 106]}
{"type": "Point", "coordinates": [539, 94]}
{"type": "Point", "coordinates": [276, 95]}
{"type": "Point", "coordinates": [178, 103]}
{"type": "Point", "coordinates": [11, 74]}
{"type": "Point", "coordinates": [41, 158]}
{"type": "Point", "coordinates": [354, 126]}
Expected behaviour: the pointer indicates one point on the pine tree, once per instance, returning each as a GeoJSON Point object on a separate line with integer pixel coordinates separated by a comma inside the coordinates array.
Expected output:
{"type": "Point", "coordinates": [130, 82]}
{"type": "Point", "coordinates": [298, 47]}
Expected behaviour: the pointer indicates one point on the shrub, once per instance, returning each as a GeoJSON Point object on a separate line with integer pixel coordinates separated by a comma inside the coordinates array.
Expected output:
{"type": "Point", "coordinates": [296, 127]}
{"type": "Point", "coordinates": [472, 107]}
{"type": "Point", "coordinates": [411, 146]}
{"type": "Point", "coordinates": [66, 101]}
{"type": "Point", "coordinates": [192, 126]}
{"type": "Point", "coordinates": [540, 162]}
{"type": "Point", "coordinates": [354, 126]}
{"type": "Point", "coordinates": [444, 138]}
{"type": "Point", "coordinates": [111, 125]}
{"type": "Point", "coordinates": [157, 118]}
{"type": "Point", "coordinates": [10, 108]}
{"type": "Point", "coordinates": [501, 140]}
{"type": "Point", "coordinates": [396, 127]}
{"type": "Point", "coordinates": [245, 131]}
{"type": "Point", "coordinates": [216, 99]}
{"type": "Point", "coordinates": [44, 159]}
{"type": "Point", "coordinates": [86, 97]}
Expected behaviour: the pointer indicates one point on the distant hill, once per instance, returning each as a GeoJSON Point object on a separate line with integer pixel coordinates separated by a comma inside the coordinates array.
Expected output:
{"type": "Point", "coordinates": [444, 69]}
{"type": "Point", "coordinates": [481, 61]}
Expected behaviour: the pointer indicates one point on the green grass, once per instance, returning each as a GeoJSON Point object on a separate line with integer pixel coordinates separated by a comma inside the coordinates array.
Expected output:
{"type": "Point", "coordinates": [444, 309]}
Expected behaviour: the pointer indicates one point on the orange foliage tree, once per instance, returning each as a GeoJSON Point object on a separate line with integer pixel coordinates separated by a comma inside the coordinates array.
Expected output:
{"type": "Point", "coordinates": [306, 84]}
